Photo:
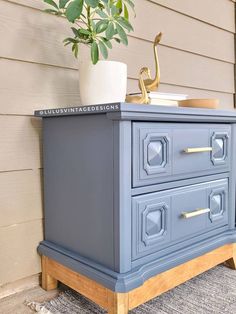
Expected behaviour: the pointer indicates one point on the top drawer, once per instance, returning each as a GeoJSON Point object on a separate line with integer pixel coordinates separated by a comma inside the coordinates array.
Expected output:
{"type": "Point", "coordinates": [172, 151]}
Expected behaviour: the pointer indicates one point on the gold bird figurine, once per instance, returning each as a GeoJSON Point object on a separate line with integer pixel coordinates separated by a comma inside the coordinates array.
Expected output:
{"type": "Point", "coordinates": [152, 84]}
{"type": "Point", "coordinates": [140, 99]}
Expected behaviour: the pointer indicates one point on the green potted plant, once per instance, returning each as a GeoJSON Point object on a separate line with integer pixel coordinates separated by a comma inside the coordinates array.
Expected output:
{"type": "Point", "coordinates": [97, 24]}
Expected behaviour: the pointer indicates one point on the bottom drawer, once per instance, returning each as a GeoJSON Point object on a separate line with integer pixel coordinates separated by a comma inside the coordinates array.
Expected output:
{"type": "Point", "coordinates": [166, 217]}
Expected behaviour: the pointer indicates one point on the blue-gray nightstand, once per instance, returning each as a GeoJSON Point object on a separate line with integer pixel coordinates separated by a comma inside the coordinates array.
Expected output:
{"type": "Point", "coordinates": [138, 198]}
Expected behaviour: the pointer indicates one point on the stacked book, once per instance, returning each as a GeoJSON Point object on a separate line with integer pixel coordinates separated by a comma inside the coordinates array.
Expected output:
{"type": "Point", "coordinates": [164, 99]}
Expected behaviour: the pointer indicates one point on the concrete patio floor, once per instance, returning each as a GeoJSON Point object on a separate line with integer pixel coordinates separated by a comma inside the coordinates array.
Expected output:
{"type": "Point", "coordinates": [15, 304]}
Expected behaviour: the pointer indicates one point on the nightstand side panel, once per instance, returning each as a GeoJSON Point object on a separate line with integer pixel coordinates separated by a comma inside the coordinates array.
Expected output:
{"type": "Point", "coordinates": [78, 186]}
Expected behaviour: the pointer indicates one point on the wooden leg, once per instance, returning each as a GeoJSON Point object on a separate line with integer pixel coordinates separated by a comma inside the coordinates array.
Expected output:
{"type": "Point", "coordinates": [231, 263]}
{"type": "Point", "coordinates": [118, 303]}
{"type": "Point", "coordinates": [48, 282]}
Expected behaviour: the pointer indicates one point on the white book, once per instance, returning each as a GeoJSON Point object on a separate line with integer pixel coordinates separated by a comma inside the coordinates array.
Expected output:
{"type": "Point", "coordinates": [163, 102]}
{"type": "Point", "coordinates": [166, 96]}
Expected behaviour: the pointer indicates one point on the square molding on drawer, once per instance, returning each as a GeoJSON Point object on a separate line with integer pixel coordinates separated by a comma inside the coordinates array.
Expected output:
{"type": "Point", "coordinates": [167, 217]}
{"type": "Point", "coordinates": [171, 151]}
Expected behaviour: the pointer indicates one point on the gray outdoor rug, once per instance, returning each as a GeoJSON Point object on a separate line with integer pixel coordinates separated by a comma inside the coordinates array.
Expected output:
{"type": "Point", "coordinates": [211, 292]}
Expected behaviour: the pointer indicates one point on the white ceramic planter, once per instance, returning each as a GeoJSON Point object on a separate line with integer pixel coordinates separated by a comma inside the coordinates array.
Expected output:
{"type": "Point", "coordinates": [105, 82]}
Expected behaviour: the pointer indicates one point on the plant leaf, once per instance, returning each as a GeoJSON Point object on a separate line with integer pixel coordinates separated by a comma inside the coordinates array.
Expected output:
{"type": "Point", "coordinates": [84, 32]}
{"type": "Point", "coordinates": [102, 14]}
{"type": "Point", "coordinates": [51, 2]}
{"type": "Point", "coordinates": [62, 3]}
{"type": "Point", "coordinates": [122, 34]}
{"type": "Point", "coordinates": [114, 10]}
{"type": "Point", "coordinates": [126, 12]}
{"type": "Point", "coordinates": [94, 52]}
{"type": "Point", "coordinates": [75, 49]}
{"type": "Point", "coordinates": [93, 24]}
{"type": "Point", "coordinates": [130, 3]}
{"type": "Point", "coordinates": [126, 24]}
{"type": "Point", "coordinates": [75, 31]}
{"type": "Point", "coordinates": [92, 3]}
{"type": "Point", "coordinates": [71, 40]}
{"type": "Point", "coordinates": [74, 10]}
{"type": "Point", "coordinates": [103, 49]}
{"type": "Point", "coordinates": [119, 5]}
{"type": "Point", "coordinates": [117, 40]}
{"type": "Point", "coordinates": [107, 42]}
{"type": "Point", "coordinates": [110, 31]}
{"type": "Point", "coordinates": [101, 26]}
{"type": "Point", "coordinates": [67, 43]}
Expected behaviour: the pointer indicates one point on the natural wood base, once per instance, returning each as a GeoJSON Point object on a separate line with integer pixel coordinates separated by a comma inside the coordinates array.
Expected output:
{"type": "Point", "coordinates": [231, 263]}
{"type": "Point", "coordinates": [121, 303]}
{"type": "Point", "coordinates": [48, 282]}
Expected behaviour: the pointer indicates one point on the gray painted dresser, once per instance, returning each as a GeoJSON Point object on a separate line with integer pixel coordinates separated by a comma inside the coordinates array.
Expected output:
{"type": "Point", "coordinates": [133, 190]}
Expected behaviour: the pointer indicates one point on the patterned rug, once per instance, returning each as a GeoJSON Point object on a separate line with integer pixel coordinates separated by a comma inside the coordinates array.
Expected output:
{"type": "Point", "coordinates": [213, 292]}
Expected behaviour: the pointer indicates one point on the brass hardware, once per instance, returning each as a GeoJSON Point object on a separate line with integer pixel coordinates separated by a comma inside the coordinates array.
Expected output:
{"type": "Point", "coordinates": [143, 99]}
{"type": "Point", "coordinates": [197, 150]}
{"type": "Point", "coordinates": [152, 84]}
{"type": "Point", "coordinates": [197, 212]}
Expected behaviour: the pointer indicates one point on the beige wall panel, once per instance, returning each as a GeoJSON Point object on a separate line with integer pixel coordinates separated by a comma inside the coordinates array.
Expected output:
{"type": "Point", "coordinates": [19, 142]}
{"type": "Point", "coordinates": [182, 32]}
{"type": "Point", "coordinates": [32, 35]}
{"type": "Point", "coordinates": [26, 105]}
{"type": "Point", "coordinates": [219, 13]}
{"type": "Point", "coordinates": [35, 36]}
{"type": "Point", "coordinates": [178, 67]}
{"type": "Point", "coordinates": [25, 87]}
{"type": "Point", "coordinates": [18, 251]}
{"type": "Point", "coordinates": [226, 100]}
{"type": "Point", "coordinates": [20, 196]}
{"type": "Point", "coordinates": [37, 4]}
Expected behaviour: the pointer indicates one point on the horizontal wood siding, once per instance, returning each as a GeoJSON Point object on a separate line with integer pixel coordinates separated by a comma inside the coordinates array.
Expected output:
{"type": "Point", "coordinates": [20, 143]}
{"type": "Point", "coordinates": [54, 86]}
{"type": "Point", "coordinates": [183, 32]}
{"type": "Point", "coordinates": [197, 58]}
{"type": "Point", "coordinates": [219, 13]}
{"type": "Point", "coordinates": [178, 67]}
{"type": "Point", "coordinates": [20, 197]}
{"type": "Point", "coordinates": [200, 56]}
{"type": "Point", "coordinates": [42, 86]}
{"type": "Point", "coordinates": [18, 255]}
{"type": "Point", "coordinates": [31, 35]}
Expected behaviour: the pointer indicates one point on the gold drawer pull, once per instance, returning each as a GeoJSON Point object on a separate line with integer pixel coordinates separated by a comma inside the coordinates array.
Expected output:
{"type": "Point", "coordinates": [197, 212]}
{"type": "Point", "coordinates": [197, 150]}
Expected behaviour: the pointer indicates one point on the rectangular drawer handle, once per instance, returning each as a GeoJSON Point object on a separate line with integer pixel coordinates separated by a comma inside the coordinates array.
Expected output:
{"type": "Point", "coordinates": [197, 212]}
{"type": "Point", "coordinates": [197, 150]}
